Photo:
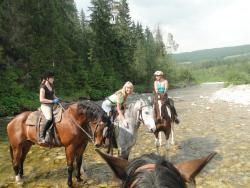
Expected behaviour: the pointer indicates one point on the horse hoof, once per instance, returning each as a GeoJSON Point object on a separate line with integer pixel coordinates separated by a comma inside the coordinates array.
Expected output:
{"type": "Point", "coordinates": [157, 144]}
{"type": "Point", "coordinates": [79, 179]}
{"type": "Point", "coordinates": [19, 180]}
{"type": "Point", "coordinates": [20, 183]}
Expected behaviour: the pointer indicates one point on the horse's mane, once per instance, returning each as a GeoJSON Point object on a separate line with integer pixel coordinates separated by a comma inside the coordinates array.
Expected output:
{"type": "Point", "coordinates": [130, 108]}
{"type": "Point", "coordinates": [91, 110]}
{"type": "Point", "coordinates": [164, 175]}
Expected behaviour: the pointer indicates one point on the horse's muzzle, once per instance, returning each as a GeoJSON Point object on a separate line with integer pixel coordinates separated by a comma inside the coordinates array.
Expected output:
{"type": "Point", "coordinates": [98, 145]}
{"type": "Point", "coordinates": [152, 130]}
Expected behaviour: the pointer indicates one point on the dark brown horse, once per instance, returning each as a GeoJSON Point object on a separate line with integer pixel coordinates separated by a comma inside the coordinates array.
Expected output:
{"type": "Point", "coordinates": [151, 170]}
{"type": "Point", "coordinates": [81, 122]}
{"type": "Point", "coordinates": [165, 116]}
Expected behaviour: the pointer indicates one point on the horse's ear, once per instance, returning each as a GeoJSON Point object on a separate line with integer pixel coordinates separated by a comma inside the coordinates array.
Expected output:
{"type": "Point", "coordinates": [189, 169]}
{"type": "Point", "coordinates": [117, 165]}
{"type": "Point", "coordinates": [141, 100]}
{"type": "Point", "coordinates": [150, 100]}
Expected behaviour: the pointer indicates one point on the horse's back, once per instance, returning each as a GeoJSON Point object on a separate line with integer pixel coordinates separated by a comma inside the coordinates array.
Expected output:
{"type": "Point", "coordinates": [16, 125]}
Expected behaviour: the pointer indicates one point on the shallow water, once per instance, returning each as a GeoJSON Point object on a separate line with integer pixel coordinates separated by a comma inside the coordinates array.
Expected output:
{"type": "Point", "coordinates": [204, 127]}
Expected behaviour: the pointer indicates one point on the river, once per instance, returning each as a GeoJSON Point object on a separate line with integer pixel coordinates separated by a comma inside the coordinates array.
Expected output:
{"type": "Point", "coordinates": [205, 127]}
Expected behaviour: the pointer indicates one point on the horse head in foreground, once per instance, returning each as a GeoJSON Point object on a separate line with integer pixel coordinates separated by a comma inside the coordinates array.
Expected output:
{"type": "Point", "coordinates": [136, 113]}
{"type": "Point", "coordinates": [80, 123]}
{"type": "Point", "coordinates": [154, 171]}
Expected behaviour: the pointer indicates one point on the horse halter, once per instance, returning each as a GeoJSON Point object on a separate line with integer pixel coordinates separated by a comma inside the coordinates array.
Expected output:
{"type": "Point", "coordinates": [140, 113]}
{"type": "Point", "coordinates": [92, 138]}
{"type": "Point", "coordinates": [93, 133]}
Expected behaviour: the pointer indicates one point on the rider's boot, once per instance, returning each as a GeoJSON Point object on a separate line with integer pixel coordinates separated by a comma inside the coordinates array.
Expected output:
{"type": "Point", "coordinates": [42, 133]}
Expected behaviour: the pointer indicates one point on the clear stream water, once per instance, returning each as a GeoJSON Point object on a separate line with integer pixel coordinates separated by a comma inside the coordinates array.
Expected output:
{"type": "Point", "coordinates": [204, 127]}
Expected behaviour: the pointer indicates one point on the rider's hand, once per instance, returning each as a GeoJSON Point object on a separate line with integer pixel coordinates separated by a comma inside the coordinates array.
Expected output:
{"type": "Point", "coordinates": [56, 101]}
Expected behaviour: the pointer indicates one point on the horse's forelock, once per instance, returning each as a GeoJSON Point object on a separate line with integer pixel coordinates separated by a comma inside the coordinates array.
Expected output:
{"type": "Point", "coordinates": [90, 110]}
{"type": "Point", "coordinates": [165, 174]}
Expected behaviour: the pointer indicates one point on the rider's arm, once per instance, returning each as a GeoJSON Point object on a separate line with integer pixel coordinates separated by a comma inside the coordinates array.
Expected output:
{"type": "Point", "coordinates": [120, 101]}
{"type": "Point", "coordinates": [119, 110]}
{"type": "Point", "coordinates": [166, 85]}
{"type": "Point", "coordinates": [54, 96]}
{"type": "Point", "coordinates": [42, 97]}
{"type": "Point", "coordinates": [155, 86]}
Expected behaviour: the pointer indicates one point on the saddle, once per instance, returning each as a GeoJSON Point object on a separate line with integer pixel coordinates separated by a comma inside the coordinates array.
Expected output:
{"type": "Point", "coordinates": [37, 119]}
{"type": "Point", "coordinates": [167, 108]}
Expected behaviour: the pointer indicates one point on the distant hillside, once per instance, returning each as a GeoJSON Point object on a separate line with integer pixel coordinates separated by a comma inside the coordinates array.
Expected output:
{"type": "Point", "coordinates": [212, 54]}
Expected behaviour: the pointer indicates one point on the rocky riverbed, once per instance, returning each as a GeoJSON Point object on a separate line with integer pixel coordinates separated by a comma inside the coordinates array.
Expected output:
{"type": "Point", "coordinates": [205, 126]}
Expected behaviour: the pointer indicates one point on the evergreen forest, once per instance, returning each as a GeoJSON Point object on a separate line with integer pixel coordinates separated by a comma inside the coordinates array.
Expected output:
{"type": "Point", "coordinates": [91, 57]}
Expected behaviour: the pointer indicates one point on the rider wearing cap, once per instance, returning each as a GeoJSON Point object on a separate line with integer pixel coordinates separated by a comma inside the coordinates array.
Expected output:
{"type": "Point", "coordinates": [47, 100]}
{"type": "Point", "coordinates": [161, 86]}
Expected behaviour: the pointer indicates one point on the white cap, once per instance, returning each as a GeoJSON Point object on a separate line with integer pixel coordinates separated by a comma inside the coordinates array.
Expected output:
{"type": "Point", "coordinates": [158, 73]}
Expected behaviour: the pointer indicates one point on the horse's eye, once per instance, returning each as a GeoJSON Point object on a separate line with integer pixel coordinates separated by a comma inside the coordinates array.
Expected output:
{"type": "Point", "coordinates": [146, 113]}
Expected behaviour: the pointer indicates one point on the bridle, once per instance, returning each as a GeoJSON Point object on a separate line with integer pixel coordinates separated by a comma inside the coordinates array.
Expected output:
{"type": "Point", "coordinates": [140, 113]}
{"type": "Point", "coordinates": [92, 138]}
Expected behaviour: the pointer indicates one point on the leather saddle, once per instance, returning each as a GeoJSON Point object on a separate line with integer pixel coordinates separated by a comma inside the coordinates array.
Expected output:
{"type": "Point", "coordinates": [37, 119]}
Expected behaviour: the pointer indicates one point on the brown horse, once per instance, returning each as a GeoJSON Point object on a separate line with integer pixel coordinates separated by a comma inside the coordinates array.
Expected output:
{"type": "Point", "coordinates": [81, 122]}
{"type": "Point", "coordinates": [151, 170]}
{"type": "Point", "coordinates": [165, 115]}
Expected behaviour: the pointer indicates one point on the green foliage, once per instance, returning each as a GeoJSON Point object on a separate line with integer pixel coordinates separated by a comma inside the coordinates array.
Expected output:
{"type": "Point", "coordinates": [231, 71]}
{"type": "Point", "coordinates": [91, 58]}
{"type": "Point", "coordinates": [235, 77]}
{"type": "Point", "coordinates": [213, 54]}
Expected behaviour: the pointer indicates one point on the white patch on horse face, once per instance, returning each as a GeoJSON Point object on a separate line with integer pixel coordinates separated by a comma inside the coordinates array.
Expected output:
{"type": "Point", "coordinates": [148, 118]}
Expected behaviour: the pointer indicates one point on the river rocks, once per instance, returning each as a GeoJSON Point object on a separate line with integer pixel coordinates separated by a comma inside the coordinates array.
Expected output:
{"type": "Point", "coordinates": [204, 127]}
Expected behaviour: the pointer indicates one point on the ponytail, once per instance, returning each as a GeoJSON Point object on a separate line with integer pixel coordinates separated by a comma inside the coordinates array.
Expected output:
{"type": "Point", "coordinates": [42, 83]}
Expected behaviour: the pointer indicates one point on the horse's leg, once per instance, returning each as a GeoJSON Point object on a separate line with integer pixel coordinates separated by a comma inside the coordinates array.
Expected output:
{"type": "Point", "coordinates": [160, 138]}
{"type": "Point", "coordinates": [70, 154]}
{"type": "Point", "coordinates": [79, 161]}
{"type": "Point", "coordinates": [167, 131]}
{"type": "Point", "coordinates": [16, 161]}
{"type": "Point", "coordinates": [157, 143]}
{"type": "Point", "coordinates": [172, 135]}
{"type": "Point", "coordinates": [124, 153]}
{"type": "Point", "coordinates": [25, 149]}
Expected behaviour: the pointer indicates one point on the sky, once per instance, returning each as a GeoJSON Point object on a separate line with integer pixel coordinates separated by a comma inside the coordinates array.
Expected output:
{"type": "Point", "coordinates": [195, 24]}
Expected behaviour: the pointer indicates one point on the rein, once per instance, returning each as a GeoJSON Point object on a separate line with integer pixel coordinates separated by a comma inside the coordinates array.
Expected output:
{"type": "Point", "coordinates": [140, 113]}
{"type": "Point", "coordinates": [75, 123]}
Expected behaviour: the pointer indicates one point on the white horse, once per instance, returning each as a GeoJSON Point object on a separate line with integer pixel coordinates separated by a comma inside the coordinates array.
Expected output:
{"type": "Point", "coordinates": [140, 111]}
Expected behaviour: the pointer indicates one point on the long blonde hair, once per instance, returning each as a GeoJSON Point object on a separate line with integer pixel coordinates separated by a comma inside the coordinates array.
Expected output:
{"type": "Point", "coordinates": [123, 89]}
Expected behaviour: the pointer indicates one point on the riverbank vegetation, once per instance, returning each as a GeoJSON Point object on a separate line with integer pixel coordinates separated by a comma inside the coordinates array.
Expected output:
{"type": "Point", "coordinates": [230, 70]}
{"type": "Point", "coordinates": [91, 57]}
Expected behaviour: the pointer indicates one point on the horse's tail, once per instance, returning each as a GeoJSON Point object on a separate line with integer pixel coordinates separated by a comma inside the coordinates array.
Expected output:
{"type": "Point", "coordinates": [11, 152]}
